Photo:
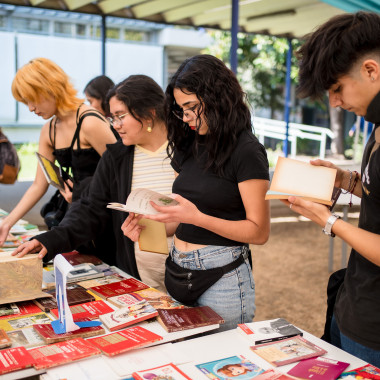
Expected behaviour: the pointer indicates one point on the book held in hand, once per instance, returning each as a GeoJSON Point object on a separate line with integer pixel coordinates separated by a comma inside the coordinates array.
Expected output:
{"type": "Point", "coordinates": [167, 371]}
{"type": "Point", "coordinates": [188, 318]}
{"type": "Point", "coordinates": [318, 368]}
{"type": "Point", "coordinates": [125, 340]}
{"type": "Point", "coordinates": [237, 367]}
{"type": "Point", "coordinates": [268, 331]}
{"type": "Point", "coordinates": [128, 315]}
{"type": "Point", "coordinates": [51, 171]}
{"type": "Point", "coordinates": [287, 351]}
{"type": "Point", "coordinates": [13, 359]}
{"type": "Point", "coordinates": [310, 182]}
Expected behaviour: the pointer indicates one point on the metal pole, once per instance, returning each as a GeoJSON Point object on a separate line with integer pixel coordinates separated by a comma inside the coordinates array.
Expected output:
{"type": "Point", "coordinates": [234, 32]}
{"type": "Point", "coordinates": [287, 97]}
{"type": "Point", "coordinates": [103, 37]}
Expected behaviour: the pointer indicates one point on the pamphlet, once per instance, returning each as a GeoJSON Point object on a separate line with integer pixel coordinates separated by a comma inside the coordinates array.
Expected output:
{"type": "Point", "coordinates": [52, 172]}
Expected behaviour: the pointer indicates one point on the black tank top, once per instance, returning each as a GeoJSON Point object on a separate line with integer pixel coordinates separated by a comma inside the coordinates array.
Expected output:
{"type": "Point", "coordinates": [81, 162]}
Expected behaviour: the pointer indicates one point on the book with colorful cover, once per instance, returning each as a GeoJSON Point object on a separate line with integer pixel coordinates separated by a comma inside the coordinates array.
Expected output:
{"type": "Point", "coordinates": [237, 367]}
{"type": "Point", "coordinates": [274, 374]}
{"type": "Point", "coordinates": [125, 299]}
{"type": "Point", "coordinates": [61, 353]}
{"type": "Point", "coordinates": [76, 294]}
{"type": "Point", "coordinates": [51, 171]}
{"type": "Point", "coordinates": [27, 338]}
{"type": "Point", "coordinates": [318, 368]}
{"type": "Point", "coordinates": [268, 331]}
{"type": "Point", "coordinates": [367, 371]}
{"type": "Point", "coordinates": [90, 310]}
{"type": "Point", "coordinates": [47, 333]}
{"type": "Point", "coordinates": [18, 309]}
{"type": "Point", "coordinates": [159, 300]}
{"type": "Point", "coordinates": [23, 321]}
{"type": "Point", "coordinates": [125, 340]}
{"type": "Point", "coordinates": [188, 318]}
{"type": "Point", "coordinates": [168, 371]}
{"type": "Point", "coordinates": [128, 285]}
{"type": "Point", "coordinates": [288, 351]}
{"type": "Point", "coordinates": [4, 339]}
{"type": "Point", "coordinates": [14, 359]}
{"type": "Point", "coordinates": [101, 281]}
{"type": "Point", "coordinates": [128, 315]}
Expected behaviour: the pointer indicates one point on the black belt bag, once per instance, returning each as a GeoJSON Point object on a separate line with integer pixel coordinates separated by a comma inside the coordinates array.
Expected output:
{"type": "Point", "coordinates": [187, 285]}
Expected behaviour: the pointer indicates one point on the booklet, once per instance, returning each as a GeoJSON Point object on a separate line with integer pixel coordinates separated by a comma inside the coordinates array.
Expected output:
{"type": "Point", "coordinates": [52, 172]}
{"type": "Point", "coordinates": [301, 179]}
{"type": "Point", "coordinates": [168, 371]}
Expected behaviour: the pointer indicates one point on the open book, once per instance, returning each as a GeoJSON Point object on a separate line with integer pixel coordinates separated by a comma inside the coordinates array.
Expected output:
{"type": "Point", "coordinates": [52, 172]}
{"type": "Point", "coordinates": [293, 177]}
{"type": "Point", "coordinates": [153, 238]}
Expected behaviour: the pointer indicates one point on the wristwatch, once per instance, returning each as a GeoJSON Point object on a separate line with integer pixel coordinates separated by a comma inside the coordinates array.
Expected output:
{"type": "Point", "coordinates": [330, 222]}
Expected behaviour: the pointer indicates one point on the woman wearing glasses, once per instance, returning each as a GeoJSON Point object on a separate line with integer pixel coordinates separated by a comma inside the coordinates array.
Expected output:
{"type": "Point", "coordinates": [138, 160]}
{"type": "Point", "coordinates": [222, 178]}
{"type": "Point", "coordinates": [76, 135]}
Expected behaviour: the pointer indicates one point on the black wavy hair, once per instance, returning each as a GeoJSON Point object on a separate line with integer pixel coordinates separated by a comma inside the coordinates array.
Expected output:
{"type": "Point", "coordinates": [334, 48]}
{"type": "Point", "coordinates": [143, 97]}
{"type": "Point", "coordinates": [97, 88]}
{"type": "Point", "coordinates": [222, 102]}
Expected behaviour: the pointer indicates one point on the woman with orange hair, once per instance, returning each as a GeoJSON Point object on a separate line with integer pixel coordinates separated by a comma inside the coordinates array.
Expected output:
{"type": "Point", "coordinates": [75, 134]}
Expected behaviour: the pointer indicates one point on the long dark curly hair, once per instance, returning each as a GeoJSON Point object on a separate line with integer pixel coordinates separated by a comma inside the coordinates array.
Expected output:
{"type": "Point", "coordinates": [222, 102]}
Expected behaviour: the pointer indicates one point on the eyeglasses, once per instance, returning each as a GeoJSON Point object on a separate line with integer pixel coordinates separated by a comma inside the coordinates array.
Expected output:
{"type": "Point", "coordinates": [180, 113]}
{"type": "Point", "coordinates": [117, 118]}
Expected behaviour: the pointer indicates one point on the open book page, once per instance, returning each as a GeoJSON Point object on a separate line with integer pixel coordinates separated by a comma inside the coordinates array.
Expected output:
{"type": "Point", "coordinates": [51, 171]}
{"type": "Point", "coordinates": [138, 202]}
{"type": "Point", "coordinates": [293, 177]}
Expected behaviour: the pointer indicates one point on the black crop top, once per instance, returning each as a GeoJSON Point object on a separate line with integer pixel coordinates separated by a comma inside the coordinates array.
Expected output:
{"type": "Point", "coordinates": [214, 195]}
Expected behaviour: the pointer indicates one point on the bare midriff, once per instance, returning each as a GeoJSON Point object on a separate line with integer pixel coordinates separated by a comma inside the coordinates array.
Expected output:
{"type": "Point", "coordinates": [184, 246]}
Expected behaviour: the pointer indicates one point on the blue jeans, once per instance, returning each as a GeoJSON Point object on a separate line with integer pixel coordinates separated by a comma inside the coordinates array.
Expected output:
{"type": "Point", "coordinates": [365, 353]}
{"type": "Point", "coordinates": [233, 296]}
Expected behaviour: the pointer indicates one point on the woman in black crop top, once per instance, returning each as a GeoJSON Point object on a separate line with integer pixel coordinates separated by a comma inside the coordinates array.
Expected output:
{"type": "Point", "coordinates": [222, 178]}
{"type": "Point", "coordinates": [76, 136]}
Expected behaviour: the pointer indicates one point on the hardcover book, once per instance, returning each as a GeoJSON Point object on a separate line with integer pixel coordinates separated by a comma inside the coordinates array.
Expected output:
{"type": "Point", "coordinates": [61, 353]}
{"type": "Point", "coordinates": [128, 285]}
{"type": "Point", "coordinates": [76, 294]}
{"type": "Point", "coordinates": [268, 331]}
{"type": "Point", "coordinates": [293, 177]}
{"type": "Point", "coordinates": [76, 258]}
{"type": "Point", "coordinates": [318, 368]}
{"type": "Point", "coordinates": [128, 315]}
{"type": "Point", "coordinates": [17, 309]}
{"type": "Point", "coordinates": [188, 318]}
{"type": "Point", "coordinates": [237, 367]}
{"type": "Point", "coordinates": [288, 351]}
{"type": "Point", "coordinates": [125, 340]}
{"type": "Point", "coordinates": [27, 338]}
{"type": "Point", "coordinates": [51, 171]}
{"type": "Point", "coordinates": [21, 322]}
{"type": "Point", "coordinates": [47, 333]}
{"type": "Point", "coordinates": [167, 371]}
{"type": "Point", "coordinates": [367, 371]}
{"type": "Point", "coordinates": [159, 300]}
{"type": "Point", "coordinates": [89, 310]}
{"type": "Point", "coordinates": [13, 359]}
{"type": "Point", "coordinates": [101, 281]}
{"type": "Point", "coordinates": [4, 339]}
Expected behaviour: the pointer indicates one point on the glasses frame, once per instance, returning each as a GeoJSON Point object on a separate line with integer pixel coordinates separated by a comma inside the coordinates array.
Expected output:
{"type": "Point", "coordinates": [117, 118]}
{"type": "Point", "coordinates": [193, 109]}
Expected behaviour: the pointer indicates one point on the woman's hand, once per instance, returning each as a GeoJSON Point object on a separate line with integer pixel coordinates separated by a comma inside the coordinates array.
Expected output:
{"type": "Point", "coordinates": [68, 193]}
{"type": "Point", "coordinates": [342, 178]}
{"type": "Point", "coordinates": [4, 231]}
{"type": "Point", "coordinates": [31, 246]}
{"type": "Point", "coordinates": [316, 212]}
{"type": "Point", "coordinates": [184, 212]}
{"type": "Point", "coordinates": [131, 229]}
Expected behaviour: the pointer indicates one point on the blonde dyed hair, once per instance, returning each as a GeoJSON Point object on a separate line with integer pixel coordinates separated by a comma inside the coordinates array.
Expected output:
{"type": "Point", "coordinates": [42, 78]}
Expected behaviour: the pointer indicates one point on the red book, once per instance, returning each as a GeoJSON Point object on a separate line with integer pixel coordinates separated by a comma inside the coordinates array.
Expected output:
{"type": "Point", "coordinates": [13, 359]}
{"type": "Point", "coordinates": [76, 258]}
{"type": "Point", "coordinates": [24, 308]}
{"type": "Point", "coordinates": [90, 310]}
{"type": "Point", "coordinates": [128, 285]}
{"type": "Point", "coordinates": [167, 371]}
{"type": "Point", "coordinates": [49, 336]}
{"type": "Point", "coordinates": [61, 353]}
{"type": "Point", "coordinates": [125, 340]}
{"type": "Point", "coordinates": [128, 315]}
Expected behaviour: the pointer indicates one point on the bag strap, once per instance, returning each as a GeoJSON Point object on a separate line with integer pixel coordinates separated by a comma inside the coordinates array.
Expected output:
{"type": "Point", "coordinates": [236, 263]}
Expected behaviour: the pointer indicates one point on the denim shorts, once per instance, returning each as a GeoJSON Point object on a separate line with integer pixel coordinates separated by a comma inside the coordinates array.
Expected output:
{"type": "Point", "coordinates": [233, 296]}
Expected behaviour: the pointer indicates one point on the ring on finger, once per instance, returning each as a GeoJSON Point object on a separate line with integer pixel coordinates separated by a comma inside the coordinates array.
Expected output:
{"type": "Point", "coordinates": [290, 206]}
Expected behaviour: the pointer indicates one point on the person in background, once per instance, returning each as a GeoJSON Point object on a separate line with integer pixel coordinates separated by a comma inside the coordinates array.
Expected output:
{"type": "Point", "coordinates": [139, 159]}
{"type": "Point", "coordinates": [96, 93]}
{"type": "Point", "coordinates": [75, 134]}
{"type": "Point", "coordinates": [343, 57]}
{"type": "Point", "coordinates": [222, 177]}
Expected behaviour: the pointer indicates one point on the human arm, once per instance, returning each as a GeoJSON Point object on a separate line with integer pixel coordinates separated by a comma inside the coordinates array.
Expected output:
{"type": "Point", "coordinates": [364, 242]}
{"type": "Point", "coordinates": [254, 229]}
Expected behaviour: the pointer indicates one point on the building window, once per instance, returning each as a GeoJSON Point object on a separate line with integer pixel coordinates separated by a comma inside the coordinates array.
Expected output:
{"type": "Point", "coordinates": [63, 28]}
{"type": "Point", "coordinates": [3, 23]}
{"type": "Point", "coordinates": [113, 33]}
{"type": "Point", "coordinates": [80, 30]}
{"type": "Point", "coordinates": [134, 35]}
{"type": "Point", "coordinates": [30, 25]}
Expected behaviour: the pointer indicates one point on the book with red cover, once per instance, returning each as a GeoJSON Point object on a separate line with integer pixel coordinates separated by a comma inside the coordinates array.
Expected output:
{"type": "Point", "coordinates": [125, 340]}
{"type": "Point", "coordinates": [367, 371]}
{"type": "Point", "coordinates": [288, 351]}
{"type": "Point", "coordinates": [90, 310]}
{"type": "Point", "coordinates": [23, 308]}
{"type": "Point", "coordinates": [76, 294]}
{"type": "Point", "coordinates": [49, 336]}
{"type": "Point", "coordinates": [188, 318]}
{"type": "Point", "coordinates": [76, 258]}
{"type": "Point", "coordinates": [61, 353]}
{"type": "Point", "coordinates": [167, 371]}
{"type": "Point", "coordinates": [128, 315]}
{"type": "Point", "coordinates": [128, 285]}
{"type": "Point", "coordinates": [318, 368]}
{"type": "Point", "coordinates": [13, 359]}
